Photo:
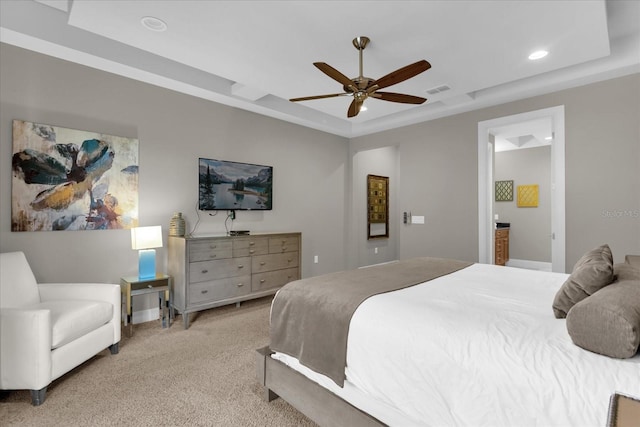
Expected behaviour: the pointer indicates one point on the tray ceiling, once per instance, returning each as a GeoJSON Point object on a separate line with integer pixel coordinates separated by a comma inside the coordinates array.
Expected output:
{"type": "Point", "coordinates": [255, 55]}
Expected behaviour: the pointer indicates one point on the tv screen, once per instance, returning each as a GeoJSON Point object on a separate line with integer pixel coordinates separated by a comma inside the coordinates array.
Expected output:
{"type": "Point", "coordinates": [225, 185]}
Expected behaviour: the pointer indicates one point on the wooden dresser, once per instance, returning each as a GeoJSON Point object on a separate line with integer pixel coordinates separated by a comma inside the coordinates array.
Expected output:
{"type": "Point", "coordinates": [501, 246]}
{"type": "Point", "coordinates": [213, 271]}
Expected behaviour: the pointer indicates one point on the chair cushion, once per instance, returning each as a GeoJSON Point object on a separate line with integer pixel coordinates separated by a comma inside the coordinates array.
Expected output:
{"type": "Point", "coordinates": [72, 319]}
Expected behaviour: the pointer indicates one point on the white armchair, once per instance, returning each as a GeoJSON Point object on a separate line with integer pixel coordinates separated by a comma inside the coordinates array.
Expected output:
{"type": "Point", "coordinates": [48, 329]}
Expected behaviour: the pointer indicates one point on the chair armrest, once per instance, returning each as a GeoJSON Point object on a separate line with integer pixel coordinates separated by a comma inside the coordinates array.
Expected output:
{"type": "Point", "coordinates": [25, 348]}
{"type": "Point", "coordinates": [107, 292]}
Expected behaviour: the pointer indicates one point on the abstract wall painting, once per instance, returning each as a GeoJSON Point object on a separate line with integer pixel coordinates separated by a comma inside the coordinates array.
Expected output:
{"type": "Point", "coordinates": [68, 179]}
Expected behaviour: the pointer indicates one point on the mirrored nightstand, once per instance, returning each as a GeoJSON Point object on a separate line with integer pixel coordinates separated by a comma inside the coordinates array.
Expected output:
{"type": "Point", "coordinates": [132, 286]}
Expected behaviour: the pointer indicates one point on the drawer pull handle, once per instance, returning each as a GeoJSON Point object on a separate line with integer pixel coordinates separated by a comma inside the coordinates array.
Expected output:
{"type": "Point", "coordinates": [289, 260]}
{"type": "Point", "coordinates": [205, 271]}
{"type": "Point", "coordinates": [252, 243]}
{"type": "Point", "coordinates": [213, 256]}
{"type": "Point", "coordinates": [240, 284]}
{"type": "Point", "coordinates": [213, 246]}
{"type": "Point", "coordinates": [284, 249]}
{"type": "Point", "coordinates": [262, 280]}
{"type": "Point", "coordinates": [241, 266]}
{"type": "Point", "coordinates": [262, 263]}
{"type": "Point", "coordinates": [251, 251]}
{"type": "Point", "coordinates": [204, 292]}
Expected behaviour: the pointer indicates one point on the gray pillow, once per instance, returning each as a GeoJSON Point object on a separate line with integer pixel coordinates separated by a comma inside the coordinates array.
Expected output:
{"type": "Point", "coordinates": [626, 271]}
{"type": "Point", "coordinates": [592, 272]}
{"type": "Point", "coordinates": [608, 322]}
{"type": "Point", "coordinates": [633, 260]}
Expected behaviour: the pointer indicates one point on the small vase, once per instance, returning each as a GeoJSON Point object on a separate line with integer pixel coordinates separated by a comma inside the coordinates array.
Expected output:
{"type": "Point", "coordinates": [177, 225]}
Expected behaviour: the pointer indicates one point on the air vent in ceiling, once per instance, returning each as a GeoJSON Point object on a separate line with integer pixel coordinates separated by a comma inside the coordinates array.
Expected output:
{"type": "Point", "coordinates": [438, 89]}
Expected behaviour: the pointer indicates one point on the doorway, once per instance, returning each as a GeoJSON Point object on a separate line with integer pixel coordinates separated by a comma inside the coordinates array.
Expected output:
{"type": "Point", "coordinates": [486, 149]}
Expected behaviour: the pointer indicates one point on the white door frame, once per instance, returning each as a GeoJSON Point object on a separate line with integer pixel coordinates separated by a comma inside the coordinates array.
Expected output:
{"type": "Point", "coordinates": [485, 184]}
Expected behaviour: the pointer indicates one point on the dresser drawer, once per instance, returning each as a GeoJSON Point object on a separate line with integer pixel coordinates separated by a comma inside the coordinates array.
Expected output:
{"type": "Point", "coordinates": [262, 263]}
{"type": "Point", "coordinates": [210, 249]}
{"type": "Point", "coordinates": [219, 269]}
{"type": "Point", "coordinates": [273, 279]}
{"type": "Point", "coordinates": [249, 247]}
{"type": "Point", "coordinates": [283, 244]}
{"type": "Point", "coordinates": [502, 234]}
{"type": "Point", "coordinates": [216, 290]}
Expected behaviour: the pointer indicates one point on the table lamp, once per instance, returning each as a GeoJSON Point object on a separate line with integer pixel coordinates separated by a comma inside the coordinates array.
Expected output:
{"type": "Point", "coordinates": [145, 239]}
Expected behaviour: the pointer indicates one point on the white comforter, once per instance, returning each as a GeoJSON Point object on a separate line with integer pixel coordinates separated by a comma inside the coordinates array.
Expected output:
{"type": "Point", "coordinates": [478, 347]}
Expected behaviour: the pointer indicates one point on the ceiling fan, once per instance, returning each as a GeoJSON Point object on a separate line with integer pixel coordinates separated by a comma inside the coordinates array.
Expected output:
{"type": "Point", "coordinates": [362, 87]}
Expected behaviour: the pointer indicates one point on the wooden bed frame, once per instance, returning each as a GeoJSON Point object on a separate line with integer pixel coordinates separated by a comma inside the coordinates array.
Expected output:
{"type": "Point", "coordinates": [314, 401]}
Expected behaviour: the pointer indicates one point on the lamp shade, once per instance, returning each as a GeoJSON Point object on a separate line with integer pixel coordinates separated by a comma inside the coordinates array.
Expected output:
{"type": "Point", "coordinates": [146, 237]}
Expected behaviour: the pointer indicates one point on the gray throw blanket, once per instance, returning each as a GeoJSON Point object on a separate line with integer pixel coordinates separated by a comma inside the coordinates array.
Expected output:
{"type": "Point", "coordinates": [310, 317]}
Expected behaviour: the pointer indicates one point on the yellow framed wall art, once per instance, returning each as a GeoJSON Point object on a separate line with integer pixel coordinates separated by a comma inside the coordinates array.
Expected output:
{"type": "Point", "coordinates": [528, 196]}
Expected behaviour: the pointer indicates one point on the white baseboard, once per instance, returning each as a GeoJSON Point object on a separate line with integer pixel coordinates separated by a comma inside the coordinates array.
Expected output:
{"type": "Point", "coordinates": [529, 265]}
{"type": "Point", "coordinates": [147, 315]}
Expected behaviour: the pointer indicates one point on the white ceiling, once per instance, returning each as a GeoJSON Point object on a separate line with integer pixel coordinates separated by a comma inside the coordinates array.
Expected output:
{"type": "Point", "coordinates": [255, 55]}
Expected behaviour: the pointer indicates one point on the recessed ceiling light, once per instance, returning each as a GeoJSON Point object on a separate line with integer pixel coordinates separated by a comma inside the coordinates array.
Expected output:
{"type": "Point", "coordinates": [538, 54]}
{"type": "Point", "coordinates": [153, 24]}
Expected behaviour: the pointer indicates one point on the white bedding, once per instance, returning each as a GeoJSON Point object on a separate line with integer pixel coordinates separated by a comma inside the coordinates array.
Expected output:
{"type": "Point", "coordinates": [478, 347]}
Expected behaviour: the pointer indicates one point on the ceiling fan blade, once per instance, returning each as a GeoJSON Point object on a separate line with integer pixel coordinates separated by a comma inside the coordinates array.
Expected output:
{"type": "Point", "coordinates": [403, 74]}
{"type": "Point", "coordinates": [309, 98]}
{"type": "Point", "coordinates": [398, 97]}
{"type": "Point", "coordinates": [335, 75]}
{"type": "Point", "coordinates": [354, 108]}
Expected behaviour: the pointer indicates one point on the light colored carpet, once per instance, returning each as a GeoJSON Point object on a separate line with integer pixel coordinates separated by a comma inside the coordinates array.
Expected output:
{"type": "Point", "coordinates": [202, 376]}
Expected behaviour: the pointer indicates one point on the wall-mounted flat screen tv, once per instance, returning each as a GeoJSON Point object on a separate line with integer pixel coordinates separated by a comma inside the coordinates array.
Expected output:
{"type": "Point", "coordinates": [225, 185]}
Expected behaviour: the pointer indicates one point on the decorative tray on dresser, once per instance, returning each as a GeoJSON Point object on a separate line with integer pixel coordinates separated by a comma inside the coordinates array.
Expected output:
{"type": "Point", "coordinates": [219, 270]}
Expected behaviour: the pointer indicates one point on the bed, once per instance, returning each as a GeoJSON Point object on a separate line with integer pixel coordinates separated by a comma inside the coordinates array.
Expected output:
{"type": "Point", "coordinates": [479, 345]}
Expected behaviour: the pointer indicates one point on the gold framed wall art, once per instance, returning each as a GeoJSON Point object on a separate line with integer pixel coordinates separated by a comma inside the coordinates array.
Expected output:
{"type": "Point", "coordinates": [377, 207]}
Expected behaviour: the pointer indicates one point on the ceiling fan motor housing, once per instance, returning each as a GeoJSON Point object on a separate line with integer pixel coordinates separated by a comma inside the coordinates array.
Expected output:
{"type": "Point", "coordinates": [361, 83]}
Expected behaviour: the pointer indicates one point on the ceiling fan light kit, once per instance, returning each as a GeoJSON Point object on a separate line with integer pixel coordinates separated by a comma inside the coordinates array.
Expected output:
{"type": "Point", "coordinates": [361, 87]}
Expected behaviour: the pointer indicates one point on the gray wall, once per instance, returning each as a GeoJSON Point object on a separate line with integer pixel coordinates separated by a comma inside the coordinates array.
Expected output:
{"type": "Point", "coordinates": [383, 162]}
{"type": "Point", "coordinates": [310, 167]}
{"type": "Point", "coordinates": [317, 190]}
{"type": "Point", "coordinates": [530, 233]}
{"type": "Point", "coordinates": [438, 172]}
